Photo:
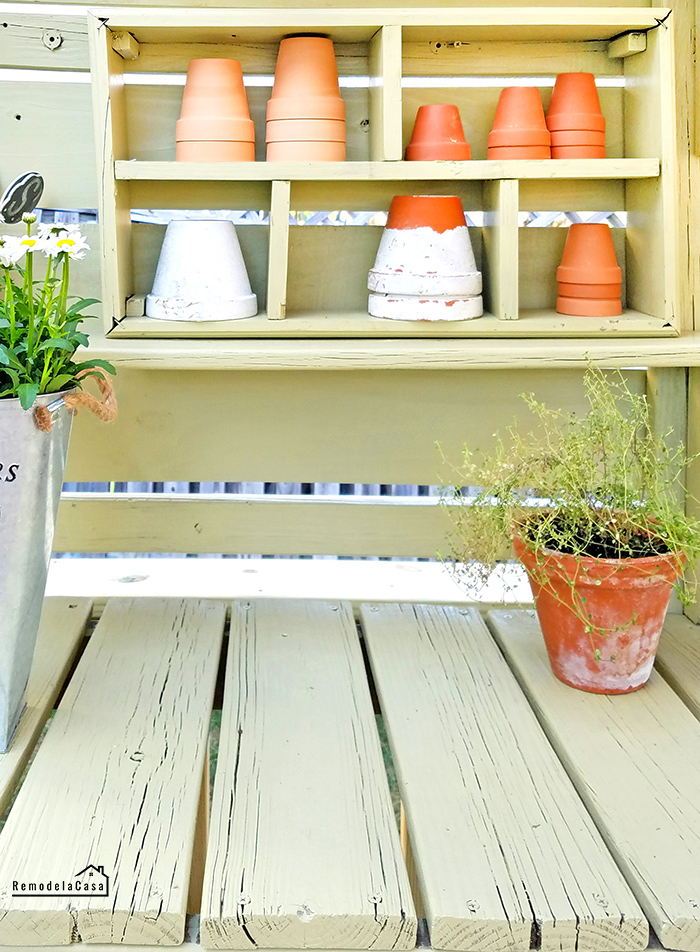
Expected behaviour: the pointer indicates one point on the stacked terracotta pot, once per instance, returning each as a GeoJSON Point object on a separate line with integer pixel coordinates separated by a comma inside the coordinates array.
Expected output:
{"type": "Point", "coordinates": [589, 278]}
{"type": "Point", "coordinates": [306, 113]}
{"type": "Point", "coordinates": [575, 119]}
{"type": "Point", "coordinates": [214, 123]}
{"type": "Point", "coordinates": [425, 268]}
{"type": "Point", "coordinates": [519, 129]}
{"type": "Point", "coordinates": [438, 134]}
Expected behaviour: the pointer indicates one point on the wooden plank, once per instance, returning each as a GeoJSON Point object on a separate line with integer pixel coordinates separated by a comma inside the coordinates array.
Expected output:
{"type": "Point", "coordinates": [507, 856]}
{"type": "Point", "coordinates": [635, 766]}
{"type": "Point", "coordinates": [678, 660]}
{"type": "Point", "coordinates": [693, 471]}
{"type": "Point", "coordinates": [201, 837]}
{"type": "Point", "coordinates": [43, 40]}
{"type": "Point", "coordinates": [121, 766]}
{"type": "Point", "coordinates": [385, 94]}
{"type": "Point", "coordinates": [304, 851]}
{"type": "Point", "coordinates": [500, 267]}
{"type": "Point", "coordinates": [278, 255]}
{"type": "Point", "coordinates": [63, 624]}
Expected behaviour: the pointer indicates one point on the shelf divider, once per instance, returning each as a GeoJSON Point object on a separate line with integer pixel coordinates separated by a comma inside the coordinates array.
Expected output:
{"type": "Point", "coordinates": [500, 264]}
{"type": "Point", "coordinates": [278, 259]}
{"type": "Point", "coordinates": [385, 101]}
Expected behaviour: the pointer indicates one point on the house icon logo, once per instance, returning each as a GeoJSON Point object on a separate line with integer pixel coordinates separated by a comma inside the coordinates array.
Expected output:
{"type": "Point", "coordinates": [90, 881]}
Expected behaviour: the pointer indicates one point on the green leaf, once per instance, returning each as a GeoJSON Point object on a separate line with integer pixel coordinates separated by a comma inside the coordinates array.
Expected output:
{"type": "Point", "coordinates": [79, 338]}
{"type": "Point", "coordinates": [4, 356]}
{"type": "Point", "coordinates": [80, 305]}
{"type": "Point", "coordinates": [56, 343]}
{"type": "Point", "coordinates": [27, 393]}
{"type": "Point", "coordinates": [97, 362]}
{"type": "Point", "coordinates": [58, 383]}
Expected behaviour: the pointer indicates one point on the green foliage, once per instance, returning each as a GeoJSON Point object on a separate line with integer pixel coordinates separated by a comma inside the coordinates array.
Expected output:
{"type": "Point", "coordinates": [601, 485]}
{"type": "Point", "coordinates": [39, 327]}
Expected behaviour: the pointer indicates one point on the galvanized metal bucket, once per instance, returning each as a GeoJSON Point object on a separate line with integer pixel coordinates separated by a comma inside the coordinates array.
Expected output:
{"type": "Point", "coordinates": [31, 476]}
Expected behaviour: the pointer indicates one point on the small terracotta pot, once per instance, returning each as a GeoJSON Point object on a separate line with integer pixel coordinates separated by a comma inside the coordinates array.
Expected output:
{"type": "Point", "coordinates": [306, 151]}
{"type": "Point", "coordinates": [305, 130]}
{"type": "Point", "coordinates": [617, 592]}
{"type": "Point", "coordinates": [578, 152]}
{"type": "Point", "coordinates": [602, 291]}
{"type": "Point", "coordinates": [438, 134]}
{"type": "Point", "coordinates": [575, 103]}
{"type": "Point", "coordinates": [519, 119]}
{"type": "Point", "coordinates": [306, 80]}
{"type": "Point", "coordinates": [589, 307]}
{"type": "Point", "coordinates": [520, 152]}
{"type": "Point", "coordinates": [232, 130]}
{"type": "Point", "coordinates": [212, 150]}
{"type": "Point", "coordinates": [577, 137]}
{"type": "Point", "coordinates": [407, 307]}
{"type": "Point", "coordinates": [306, 107]}
{"type": "Point", "coordinates": [589, 256]}
{"type": "Point", "coordinates": [440, 213]}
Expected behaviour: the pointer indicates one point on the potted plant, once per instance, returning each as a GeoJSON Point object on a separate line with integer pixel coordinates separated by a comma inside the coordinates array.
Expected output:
{"type": "Point", "coordinates": [40, 385]}
{"type": "Point", "coordinates": [592, 505]}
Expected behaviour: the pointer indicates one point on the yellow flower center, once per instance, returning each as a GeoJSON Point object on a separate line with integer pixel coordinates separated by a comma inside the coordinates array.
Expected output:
{"type": "Point", "coordinates": [66, 241]}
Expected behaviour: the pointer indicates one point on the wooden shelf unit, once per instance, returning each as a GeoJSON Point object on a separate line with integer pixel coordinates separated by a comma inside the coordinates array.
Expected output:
{"type": "Point", "coordinates": [311, 280]}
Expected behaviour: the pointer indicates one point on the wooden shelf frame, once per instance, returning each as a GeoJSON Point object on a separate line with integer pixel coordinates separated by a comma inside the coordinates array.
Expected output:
{"type": "Point", "coordinates": [387, 45]}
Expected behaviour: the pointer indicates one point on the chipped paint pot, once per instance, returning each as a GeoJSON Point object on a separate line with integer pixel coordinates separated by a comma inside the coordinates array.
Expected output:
{"type": "Point", "coordinates": [31, 477]}
{"type": "Point", "coordinates": [425, 267]}
{"type": "Point", "coordinates": [625, 601]}
{"type": "Point", "coordinates": [201, 275]}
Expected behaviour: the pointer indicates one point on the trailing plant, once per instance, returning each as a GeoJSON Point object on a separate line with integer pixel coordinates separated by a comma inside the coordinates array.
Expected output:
{"type": "Point", "coordinates": [39, 321]}
{"type": "Point", "coordinates": [602, 485]}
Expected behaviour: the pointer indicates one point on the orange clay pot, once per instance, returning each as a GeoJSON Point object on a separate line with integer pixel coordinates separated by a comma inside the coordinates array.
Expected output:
{"type": "Point", "coordinates": [438, 134]}
{"type": "Point", "coordinates": [306, 151]}
{"type": "Point", "coordinates": [306, 80]}
{"type": "Point", "coordinates": [305, 130]}
{"type": "Point", "coordinates": [520, 152]}
{"type": "Point", "coordinates": [602, 291]}
{"type": "Point", "coordinates": [589, 256]}
{"type": "Point", "coordinates": [616, 592]}
{"type": "Point", "coordinates": [577, 137]}
{"type": "Point", "coordinates": [575, 103]}
{"type": "Point", "coordinates": [212, 150]}
{"type": "Point", "coordinates": [440, 213]}
{"type": "Point", "coordinates": [578, 151]}
{"type": "Point", "coordinates": [519, 119]}
{"type": "Point", "coordinates": [589, 307]}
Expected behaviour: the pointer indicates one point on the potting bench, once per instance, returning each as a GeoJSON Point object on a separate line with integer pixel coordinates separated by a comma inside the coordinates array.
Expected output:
{"type": "Point", "coordinates": [534, 816]}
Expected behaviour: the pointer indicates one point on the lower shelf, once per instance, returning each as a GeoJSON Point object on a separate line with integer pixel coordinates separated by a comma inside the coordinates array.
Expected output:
{"type": "Point", "coordinates": [545, 324]}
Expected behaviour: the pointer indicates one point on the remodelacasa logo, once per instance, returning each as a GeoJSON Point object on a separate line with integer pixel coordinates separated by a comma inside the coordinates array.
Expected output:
{"type": "Point", "coordinates": [91, 881]}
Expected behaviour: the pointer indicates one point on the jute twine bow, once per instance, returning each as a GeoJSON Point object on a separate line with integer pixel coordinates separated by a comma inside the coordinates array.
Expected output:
{"type": "Point", "coordinates": [106, 409]}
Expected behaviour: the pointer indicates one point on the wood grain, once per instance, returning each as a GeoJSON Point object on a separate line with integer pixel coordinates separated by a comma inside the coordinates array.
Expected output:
{"type": "Point", "coordinates": [506, 854]}
{"type": "Point", "coordinates": [116, 782]}
{"type": "Point", "coordinates": [303, 851]}
{"type": "Point", "coordinates": [634, 760]}
{"type": "Point", "coordinates": [678, 660]}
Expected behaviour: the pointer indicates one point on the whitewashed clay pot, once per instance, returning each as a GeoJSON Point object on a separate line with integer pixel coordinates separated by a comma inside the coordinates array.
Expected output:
{"type": "Point", "coordinates": [425, 268]}
{"type": "Point", "coordinates": [201, 275]}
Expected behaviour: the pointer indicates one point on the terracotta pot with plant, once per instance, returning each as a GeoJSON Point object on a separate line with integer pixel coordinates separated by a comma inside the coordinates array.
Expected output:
{"type": "Point", "coordinates": [41, 383]}
{"type": "Point", "coordinates": [592, 505]}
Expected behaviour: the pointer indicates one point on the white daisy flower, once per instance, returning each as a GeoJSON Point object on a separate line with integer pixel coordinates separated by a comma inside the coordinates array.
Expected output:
{"type": "Point", "coordinates": [73, 244]}
{"type": "Point", "coordinates": [11, 250]}
{"type": "Point", "coordinates": [32, 242]}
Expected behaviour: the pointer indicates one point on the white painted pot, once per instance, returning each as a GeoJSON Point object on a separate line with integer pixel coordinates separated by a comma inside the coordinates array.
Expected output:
{"type": "Point", "coordinates": [201, 275]}
{"type": "Point", "coordinates": [425, 261]}
{"type": "Point", "coordinates": [419, 307]}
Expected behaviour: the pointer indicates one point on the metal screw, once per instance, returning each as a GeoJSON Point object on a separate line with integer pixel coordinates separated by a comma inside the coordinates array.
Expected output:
{"type": "Point", "coordinates": [51, 39]}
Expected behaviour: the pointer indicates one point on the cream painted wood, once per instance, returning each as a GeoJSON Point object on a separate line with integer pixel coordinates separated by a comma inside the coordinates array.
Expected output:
{"type": "Point", "coordinates": [303, 851]}
{"type": "Point", "coordinates": [385, 94]}
{"type": "Point", "coordinates": [678, 660]}
{"type": "Point", "coordinates": [285, 525]}
{"type": "Point", "coordinates": [693, 472]}
{"type": "Point", "coordinates": [277, 268]}
{"type": "Point", "coordinates": [43, 40]}
{"type": "Point", "coordinates": [201, 837]}
{"type": "Point", "coordinates": [634, 761]}
{"type": "Point", "coordinates": [410, 861]}
{"type": "Point", "coordinates": [277, 4]}
{"type": "Point", "coordinates": [307, 426]}
{"type": "Point", "coordinates": [63, 625]}
{"type": "Point", "coordinates": [120, 768]}
{"type": "Point", "coordinates": [445, 57]}
{"type": "Point", "coordinates": [501, 249]}
{"type": "Point", "coordinates": [627, 45]}
{"type": "Point", "coordinates": [504, 848]}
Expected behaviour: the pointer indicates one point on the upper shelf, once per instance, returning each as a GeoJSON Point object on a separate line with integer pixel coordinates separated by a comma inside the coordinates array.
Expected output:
{"type": "Point", "coordinates": [134, 170]}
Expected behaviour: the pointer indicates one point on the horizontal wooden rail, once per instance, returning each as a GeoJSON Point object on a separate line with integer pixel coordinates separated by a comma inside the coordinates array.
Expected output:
{"type": "Point", "coordinates": [288, 525]}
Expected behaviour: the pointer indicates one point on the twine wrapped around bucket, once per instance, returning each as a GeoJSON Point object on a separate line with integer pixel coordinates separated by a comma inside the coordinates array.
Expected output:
{"type": "Point", "coordinates": [106, 409]}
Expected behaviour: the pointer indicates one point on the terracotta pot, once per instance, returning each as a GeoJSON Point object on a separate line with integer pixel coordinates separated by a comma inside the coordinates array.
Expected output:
{"type": "Point", "coordinates": [577, 137]}
{"type": "Point", "coordinates": [306, 80]}
{"type": "Point", "coordinates": [578, 152]}
{"type": "Point", "coordinates": [221, 129]}
{"type": "Point", "coordinates": [575, 103]}
{"type": "Point", "coordinates": [519, 119]}
{"type": "Point", "coordinates": [438, 134]}
{"type": "Point", "coordinates": [306, 151]}
{"type": "Point", "coordinates": [616, 592]}
{"type": "Point", "coordinates": [214, 151]}
{"type": "Point", "coordinates": [589, 256]}
{"type": "Point", "coordinates": [589, 307]}
{"type": "Point", "coordinates": [305, 130]}
{"type": "Point", "coordinates": [520, 152]}
{"type": "Point", "coordinates": [425, 268]}
{"type": "Point", "coordinates": [603, 291]}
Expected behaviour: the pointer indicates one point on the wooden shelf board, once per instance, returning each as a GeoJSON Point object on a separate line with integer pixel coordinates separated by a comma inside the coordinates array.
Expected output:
{"type": "Point", "coordinates": [135, 170]}
{"type": "Point", "coordinates": [360, 324]}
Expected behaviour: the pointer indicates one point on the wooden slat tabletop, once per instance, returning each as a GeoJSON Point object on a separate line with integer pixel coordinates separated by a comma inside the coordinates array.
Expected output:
{"type": "Point", "coordinates": [303, 849]}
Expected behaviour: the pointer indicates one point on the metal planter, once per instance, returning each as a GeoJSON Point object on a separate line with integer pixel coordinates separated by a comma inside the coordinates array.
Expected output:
{"type": "Point", "coordinates": [31, 476]}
